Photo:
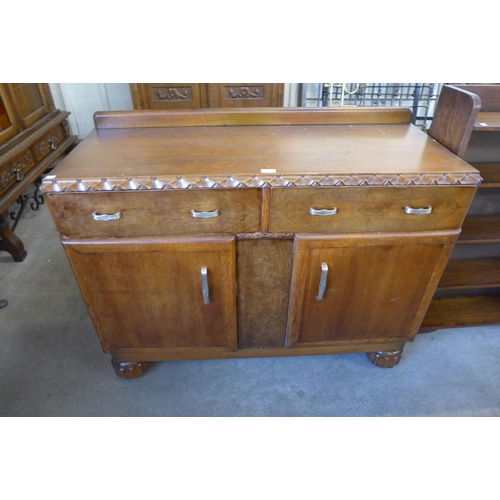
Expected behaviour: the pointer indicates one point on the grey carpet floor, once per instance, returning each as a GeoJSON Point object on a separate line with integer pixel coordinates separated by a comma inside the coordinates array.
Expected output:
{"type": "Point", "coordinates": [51, 363]}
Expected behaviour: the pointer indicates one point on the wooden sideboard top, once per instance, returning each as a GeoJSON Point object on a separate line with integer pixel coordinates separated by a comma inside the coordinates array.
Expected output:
{"type": "Point", "coordinates": [143, 153]}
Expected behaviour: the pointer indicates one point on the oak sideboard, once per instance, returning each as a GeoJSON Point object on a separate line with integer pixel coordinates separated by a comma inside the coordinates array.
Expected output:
{"type": "Point", "coordinates": [220, 233]}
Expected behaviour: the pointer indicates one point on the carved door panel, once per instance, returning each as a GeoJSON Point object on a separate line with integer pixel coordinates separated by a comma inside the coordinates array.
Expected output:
{"type": "Point", "coordinates": [244, 95]}
{"type": "Point", "coordinates": [169, 95]}
{"type": "Point", "coordinates": [363, 288]}
{"type": "Point", "coordinates": [168, 292]}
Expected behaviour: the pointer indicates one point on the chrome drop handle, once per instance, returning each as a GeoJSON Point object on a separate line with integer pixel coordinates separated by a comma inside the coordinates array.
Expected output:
{"type": "Point", "coordinates": [204, 285]}
{"type": "Point", "coordinates": [106, 217]}
{"type": "Point", "coordinates": [323, 212]}
{"type": "Point", "coordinates": [204, 215]}
{"type": "Point", "coordinates": [322, 283]}
{"type": "Point", "coordinates": [418, 211]}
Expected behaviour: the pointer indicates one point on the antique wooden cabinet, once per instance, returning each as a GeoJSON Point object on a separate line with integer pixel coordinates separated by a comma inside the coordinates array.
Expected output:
{"type": "Point", "coordinates": [258, 232]}
{"type": "Point", "coordinates": [206, 95]}
{"type": "Point", "coordinates": [33, 134]}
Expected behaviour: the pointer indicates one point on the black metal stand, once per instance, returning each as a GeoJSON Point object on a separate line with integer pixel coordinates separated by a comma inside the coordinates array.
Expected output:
{"type": "Point", "coordinates": [23, 200]}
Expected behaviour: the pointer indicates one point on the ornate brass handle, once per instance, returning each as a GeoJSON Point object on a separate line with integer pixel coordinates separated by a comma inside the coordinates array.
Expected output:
{"type": "Point", "coordinates": [418, 211]}
{"type": "Point", "coordinates": [204, 285]}
{"type": "Point", "coordinates": [204, 215]}
{"type": "Point", "coordinates": [106, 217]}
{"type": "Point", "coordinates": [323, 212]}
{"type": "Point", "coordinates": [322, 283]}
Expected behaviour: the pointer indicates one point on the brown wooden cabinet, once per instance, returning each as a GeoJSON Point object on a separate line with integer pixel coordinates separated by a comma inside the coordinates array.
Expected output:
{"type": "Point", "coordinates": [468, 122]}
{"type": "Point", "coordinates": [206, 95]}
{"type": "Point", "coordinates": [33, 134]}
{"type": "Point", "coordinates": [258, 232]}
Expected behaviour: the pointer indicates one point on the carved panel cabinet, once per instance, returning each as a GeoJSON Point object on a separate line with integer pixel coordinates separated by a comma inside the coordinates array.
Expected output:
{"type": "Point", "coordinates": [206, 95]}
{"type": "Point", "coordinates": [259, 232]}
{"type": "Point", "coordinates": [33, 134]}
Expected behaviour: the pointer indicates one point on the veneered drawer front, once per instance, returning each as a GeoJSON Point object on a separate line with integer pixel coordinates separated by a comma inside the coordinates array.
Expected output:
{"type": "Point", "coordinates": [368, 209]}
{"type": "Point", "coordinates": [156, 213]}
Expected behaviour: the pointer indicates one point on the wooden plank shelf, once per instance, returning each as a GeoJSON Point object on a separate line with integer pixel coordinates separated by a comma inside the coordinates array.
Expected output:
{"type": "Point", "coordinates": [451, 312]}
{"type": "Point", "coordinates": [490, 172]}
{"type": "Point", "coordinates": [471, 273]}
{"type": "Point", "coordinates": [488, 121]}
{"type": "Point", "coordinates": [480, 229]}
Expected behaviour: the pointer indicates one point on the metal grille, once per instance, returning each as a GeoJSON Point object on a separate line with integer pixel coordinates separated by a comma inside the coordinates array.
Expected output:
{"type": "Point", "coordinates": [420, 97]}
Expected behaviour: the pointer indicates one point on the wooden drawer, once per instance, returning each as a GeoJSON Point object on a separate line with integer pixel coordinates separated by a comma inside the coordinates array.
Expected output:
{"type": "Point", "coordinates": [368, 209]}
{"type": "Point", "coordinates": [156, 213]}
{"type": "Point", "coordinates": [22, 163]}
{"type": "Point", "coordinates": [48, 143]}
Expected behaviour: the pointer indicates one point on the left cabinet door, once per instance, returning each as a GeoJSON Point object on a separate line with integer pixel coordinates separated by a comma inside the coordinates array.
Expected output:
{"type": "Point", "coordinates": [164, 293]}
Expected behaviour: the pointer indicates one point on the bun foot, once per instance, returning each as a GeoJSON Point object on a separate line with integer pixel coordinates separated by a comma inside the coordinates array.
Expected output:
{"type": "Point", "coordinates": [129, 369]}
{"type": "Point", "coordinates": [385, 359]}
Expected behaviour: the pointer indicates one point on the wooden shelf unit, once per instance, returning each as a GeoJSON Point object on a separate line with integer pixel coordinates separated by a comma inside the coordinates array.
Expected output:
{"type": "Point", "coordinates": [471, 280]}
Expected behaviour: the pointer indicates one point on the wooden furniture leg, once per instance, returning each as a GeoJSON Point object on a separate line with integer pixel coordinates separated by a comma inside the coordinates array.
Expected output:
{"type": "Point", "coordinates": [129, 369]}
{"type": "Point", "coordinates": [9, 242]}
{"type": "Point", "coordinates": [385, 359]}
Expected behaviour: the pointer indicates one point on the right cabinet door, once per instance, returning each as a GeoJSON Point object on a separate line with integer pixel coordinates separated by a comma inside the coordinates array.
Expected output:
{"type": "Point", "coordinates": [363, 288]}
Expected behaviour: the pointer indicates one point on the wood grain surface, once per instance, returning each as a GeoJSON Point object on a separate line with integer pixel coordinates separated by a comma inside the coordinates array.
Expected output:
{"type": "Point", "coordinates": [379, 209]}
{"type": "Point", "coordinates": [378, 286]}
{"type": "Point", "coordinates": [157, 213]}
{"type": "Point", "coordinates": [264, 273]}
{"type": "Point", "coordinates": [149, 293]}
{"type": "Point", "coordinates": [245, 150]}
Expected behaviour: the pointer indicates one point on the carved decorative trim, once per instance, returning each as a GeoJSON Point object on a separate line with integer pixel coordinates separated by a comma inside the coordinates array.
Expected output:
{"type": "Point", "coordinates": [53, 185]}
{"type": "Point", "coordinates": [265, 236]}
{"type": "Point", "coordinates": [29, 141]}
{"type": "Point", "coordinates": [173, 94]}
{"type": "Point", "coordinates": [254, 92]}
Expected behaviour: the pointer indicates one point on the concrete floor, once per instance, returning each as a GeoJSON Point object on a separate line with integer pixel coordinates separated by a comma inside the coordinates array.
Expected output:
{"type": "Point", "coordinates": [51, 363]}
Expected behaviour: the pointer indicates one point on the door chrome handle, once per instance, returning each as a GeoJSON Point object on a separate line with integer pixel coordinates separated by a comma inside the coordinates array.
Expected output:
{"type": "Point", "coordinates": [322, 283]}
{"type": "Point", "coordinates": [204, 285]}
{"type": "Point", "coordinates": [418, 211]}
{"type": "Point", "coordinates": [204, 215]}
{"type": "Point", "coordinates": [323, 212]}
{"type": "Point", "coordinates": [106, 217]}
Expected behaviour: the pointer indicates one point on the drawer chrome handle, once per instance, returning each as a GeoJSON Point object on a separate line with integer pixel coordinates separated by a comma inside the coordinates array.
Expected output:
{"type": "Point", "coordinates": [204, 285]}
{"type": "Point", "coordinates": [322, 283]}
{"type": "Point", "coordinates": [19, 175]}
{"type": "Point", "coordinates": [323, 212]}
{"type": "Point", "coordinates": [107, 216]}
{"type": "Point", "coordinates": [418, 211]}
{"type": "Point", "coordinates": [204, 215]}
{"type": "Point", "coordinates": [53, 145]}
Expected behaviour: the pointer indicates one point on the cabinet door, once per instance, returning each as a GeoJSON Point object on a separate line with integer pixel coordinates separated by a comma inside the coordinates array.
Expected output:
{"type": "Point", "coordinates": [363, 288]}
{"type": "Point", "coordinates": [171, 293]}
{"type": "Point", "coordinates": [30, 101]}
{"type": "Point", "coordinates": [169, 95]}
{"type": "Point", "coordinates": [245, 95]}
{"type": "Point", "coordinates": [8, 124]}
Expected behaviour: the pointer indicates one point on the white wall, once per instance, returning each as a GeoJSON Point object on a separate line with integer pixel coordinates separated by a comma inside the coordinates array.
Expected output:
{"type": "Point", "coordinates": [84, 99]}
